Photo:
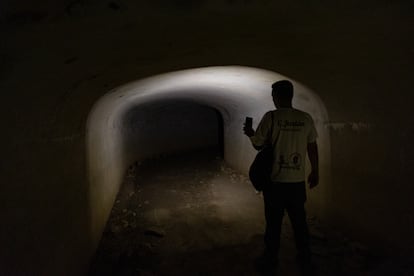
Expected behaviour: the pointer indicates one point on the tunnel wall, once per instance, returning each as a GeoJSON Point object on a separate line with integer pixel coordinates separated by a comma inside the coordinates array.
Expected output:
{"type": "Point", "coordinates": [54, 68]}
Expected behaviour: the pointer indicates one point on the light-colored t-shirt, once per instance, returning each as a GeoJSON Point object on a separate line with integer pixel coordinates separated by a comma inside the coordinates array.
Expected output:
{"type": "Point", "coordinates": [292, 130]}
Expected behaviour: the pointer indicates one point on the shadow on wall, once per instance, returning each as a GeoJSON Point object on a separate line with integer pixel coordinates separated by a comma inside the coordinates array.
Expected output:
{"type": "Point", "coordinates": [124, 124]}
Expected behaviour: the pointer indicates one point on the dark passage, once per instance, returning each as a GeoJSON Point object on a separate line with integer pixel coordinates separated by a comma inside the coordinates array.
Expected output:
{"type": "Point", "coordinates": [170, 126]}
{"type": "Point", "coordinates": [190, 214]}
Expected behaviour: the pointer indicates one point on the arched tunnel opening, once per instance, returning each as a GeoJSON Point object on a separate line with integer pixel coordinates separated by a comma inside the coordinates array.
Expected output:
{"type": "Point", "coordinates": [168, 192]}
{"type": "Point", "coordinates": [186, 194]}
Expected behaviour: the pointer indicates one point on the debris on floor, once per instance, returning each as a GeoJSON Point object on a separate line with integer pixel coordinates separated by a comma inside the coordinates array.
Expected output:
{"type": "Point", "coordinates": [192, 214]}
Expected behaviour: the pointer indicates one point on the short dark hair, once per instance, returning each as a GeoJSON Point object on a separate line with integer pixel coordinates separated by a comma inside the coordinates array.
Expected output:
{"type": "Point", "coordinates": [283, 89]}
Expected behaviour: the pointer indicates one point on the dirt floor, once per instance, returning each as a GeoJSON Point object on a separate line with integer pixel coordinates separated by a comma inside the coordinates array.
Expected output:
{"type": "Point", "coordinates": [191, 214]}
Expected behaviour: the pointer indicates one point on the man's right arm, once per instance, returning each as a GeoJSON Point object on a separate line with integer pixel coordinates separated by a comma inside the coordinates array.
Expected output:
{"type": "Point", "coordinates": [259, 137]}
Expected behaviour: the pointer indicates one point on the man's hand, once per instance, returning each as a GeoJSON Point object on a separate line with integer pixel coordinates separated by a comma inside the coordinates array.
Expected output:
{"type": "Point", "coordinates": [313, 179]}
{"type": "Point", "coordinates": [248, 131]}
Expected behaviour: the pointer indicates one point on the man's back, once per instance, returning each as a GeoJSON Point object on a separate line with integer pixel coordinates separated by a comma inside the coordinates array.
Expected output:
{"type": "Point", "coordinates": [293, 130]}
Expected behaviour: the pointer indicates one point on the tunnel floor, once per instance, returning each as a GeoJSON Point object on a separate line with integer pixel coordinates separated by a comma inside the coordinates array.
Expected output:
{"type": "Point", "coordinates": [191, 214]}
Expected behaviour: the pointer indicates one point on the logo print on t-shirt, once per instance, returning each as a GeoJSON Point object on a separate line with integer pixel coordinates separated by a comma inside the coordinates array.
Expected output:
{"type": "Point", "coordinates": [286, 125]}
{"type": "Point", "coordinates": [295, 160]}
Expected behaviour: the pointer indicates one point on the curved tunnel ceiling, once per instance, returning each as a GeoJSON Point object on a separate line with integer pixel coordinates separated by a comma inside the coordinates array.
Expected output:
{"type": "Point", "coordinates": [235, 91]}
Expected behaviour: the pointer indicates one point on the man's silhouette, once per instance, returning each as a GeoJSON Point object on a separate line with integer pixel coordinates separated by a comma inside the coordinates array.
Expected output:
{"type": "Point", "coordinates": [293, 136]}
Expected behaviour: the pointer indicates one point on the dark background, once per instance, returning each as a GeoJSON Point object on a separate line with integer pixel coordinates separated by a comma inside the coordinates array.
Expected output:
{"type": "Point", "coordinates": [59, 57]}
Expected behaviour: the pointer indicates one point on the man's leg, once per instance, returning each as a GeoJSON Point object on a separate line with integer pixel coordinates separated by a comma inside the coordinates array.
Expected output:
{"type": "Point", "coordinates": [274, 211]}
{"type": "Point", "coordinates": [268, 262]}
{"type": "Point", "coordinates": [297, 217]}
{"type": "Point", "coordinates": [296, 211]}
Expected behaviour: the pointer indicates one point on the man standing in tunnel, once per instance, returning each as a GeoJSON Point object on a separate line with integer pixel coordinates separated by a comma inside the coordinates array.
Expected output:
{"type": "Point", "coordinates": [292, 134]}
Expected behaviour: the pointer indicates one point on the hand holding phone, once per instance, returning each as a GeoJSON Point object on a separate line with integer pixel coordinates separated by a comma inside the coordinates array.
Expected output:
{"type": "Point", "coordinates": [248, 127]}
{"type": "Point", "coordinates": [249, 122]}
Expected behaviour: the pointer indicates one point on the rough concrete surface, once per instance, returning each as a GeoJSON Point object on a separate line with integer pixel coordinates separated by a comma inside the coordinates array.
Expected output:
{"type": "Point", "coordinates": [191, 214]}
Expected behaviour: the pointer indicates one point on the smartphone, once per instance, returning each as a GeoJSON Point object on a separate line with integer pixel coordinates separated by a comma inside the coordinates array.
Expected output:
{"type": "Point", "coordinates": [249, 122]}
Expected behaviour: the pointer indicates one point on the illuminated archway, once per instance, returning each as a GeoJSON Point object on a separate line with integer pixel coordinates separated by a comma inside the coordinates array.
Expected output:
{"type": "Point", "coordinates": [235, 91]}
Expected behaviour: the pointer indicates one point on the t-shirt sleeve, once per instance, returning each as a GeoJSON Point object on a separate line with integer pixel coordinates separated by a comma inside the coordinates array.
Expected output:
{"type": "Point", "coordinates": [261, 136]}
{"type": "Point", "coordinates": [312, 133]}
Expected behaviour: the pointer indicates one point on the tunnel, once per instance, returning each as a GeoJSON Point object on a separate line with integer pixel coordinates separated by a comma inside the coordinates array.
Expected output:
{"type": "Point", "coordinates": [181, 111]}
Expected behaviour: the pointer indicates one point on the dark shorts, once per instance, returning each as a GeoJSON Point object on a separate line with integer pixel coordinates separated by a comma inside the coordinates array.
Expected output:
{"type": "Point", "coordinates": [286, 192]}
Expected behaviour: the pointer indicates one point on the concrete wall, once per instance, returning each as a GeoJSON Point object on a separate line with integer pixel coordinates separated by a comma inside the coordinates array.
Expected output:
{"type": "Point", "coordinates": [357, 58]}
